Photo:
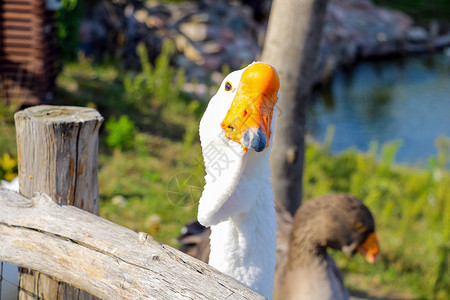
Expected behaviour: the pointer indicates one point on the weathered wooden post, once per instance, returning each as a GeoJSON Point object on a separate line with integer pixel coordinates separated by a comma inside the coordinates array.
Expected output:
{"type": "Point", "coordinates": [57, 152]}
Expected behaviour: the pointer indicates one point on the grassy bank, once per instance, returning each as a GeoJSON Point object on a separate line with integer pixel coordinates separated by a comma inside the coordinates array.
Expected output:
{"type": "Point", "coordinates": [149, 147]}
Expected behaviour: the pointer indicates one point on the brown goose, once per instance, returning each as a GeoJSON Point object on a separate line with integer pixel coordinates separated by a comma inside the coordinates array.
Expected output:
{"type": "Point", "coordinates": [337, 221]}
{"type": "Point", "coordinates": [304, 270]}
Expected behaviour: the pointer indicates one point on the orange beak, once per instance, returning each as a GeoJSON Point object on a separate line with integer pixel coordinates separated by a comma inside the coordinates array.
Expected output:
{"type": "Point", "coordinates": [370, 248]}
{"type": "Point", "coordinates": [250, 115]}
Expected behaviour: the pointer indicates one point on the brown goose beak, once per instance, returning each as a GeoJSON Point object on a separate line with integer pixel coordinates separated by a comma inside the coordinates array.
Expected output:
{"type": "Point", "coordinates": [370, 248]}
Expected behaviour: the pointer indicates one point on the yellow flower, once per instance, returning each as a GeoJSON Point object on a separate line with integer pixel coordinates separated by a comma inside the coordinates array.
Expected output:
{"type": "Point", "coordinates": [8, 163]}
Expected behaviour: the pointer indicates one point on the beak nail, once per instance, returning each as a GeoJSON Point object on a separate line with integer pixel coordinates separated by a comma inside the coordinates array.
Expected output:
{"type": "Point", "coordinates": [255, 139]}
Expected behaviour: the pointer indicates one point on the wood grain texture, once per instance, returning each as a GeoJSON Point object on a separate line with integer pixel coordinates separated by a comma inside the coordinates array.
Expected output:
{"type": "Point", "coordinates": [57, 152]}
{"type": "Point", "coordinates": [101, 257]}
{"type": "Point", "coordinates": [58, 148]}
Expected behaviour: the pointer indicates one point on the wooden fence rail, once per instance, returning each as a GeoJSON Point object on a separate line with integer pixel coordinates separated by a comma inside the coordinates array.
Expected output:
{"type": "Point", "coordinates": [101, 257]}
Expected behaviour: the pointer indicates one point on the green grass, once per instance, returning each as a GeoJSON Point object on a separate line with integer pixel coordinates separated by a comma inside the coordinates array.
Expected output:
{"type": "Point", "coordinates": [138, 183]}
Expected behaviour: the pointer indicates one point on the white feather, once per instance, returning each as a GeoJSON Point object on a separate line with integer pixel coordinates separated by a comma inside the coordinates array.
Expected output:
{"type": "Point", "coordinates": [13, 185]}
{"type": "Point", "coordinates": [237, 201]}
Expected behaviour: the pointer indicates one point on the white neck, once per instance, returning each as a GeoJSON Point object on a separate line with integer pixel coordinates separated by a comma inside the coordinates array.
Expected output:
{"type": "Point", "coordinates": [237, 201]}
{"type": "Point", "coordinates": [243, 234]}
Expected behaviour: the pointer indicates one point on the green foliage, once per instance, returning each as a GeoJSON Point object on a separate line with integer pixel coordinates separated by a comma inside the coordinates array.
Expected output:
{"type": "Point", "coordinates": [68, 25]}
{"type": "Point", "coordinates": [161, 83]}
{"type": "Point", "coordinates": [7, 111]}
{"type": "Point", "coordinates": [121, 133]}
{"type": "Point", "coordinates": [7, 129]}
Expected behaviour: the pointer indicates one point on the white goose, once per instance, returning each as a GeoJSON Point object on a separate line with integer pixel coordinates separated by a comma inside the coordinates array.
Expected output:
{"type": "Point", "coordinates": [237, 200]}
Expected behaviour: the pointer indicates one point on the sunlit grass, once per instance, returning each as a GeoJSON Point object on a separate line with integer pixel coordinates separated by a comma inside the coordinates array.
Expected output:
{"type": "Point", "coordinates": [145, 181]}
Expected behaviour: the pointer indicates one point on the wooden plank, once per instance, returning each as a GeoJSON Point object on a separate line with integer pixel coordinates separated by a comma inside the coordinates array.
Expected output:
{"type": "Point", "coordinates": [40, 35]}
{"type": "Point", "coordinates": [35, 66]}
{"type": "Point", "coordinates": [7, 40]}
{"type": "Point", "coordinates": [42, 30]}
{"type": "Point", "coordinates": [40, 60]}
{"type": "Point", "coordinates": [11, 49]}
{"type": "Point", "coordinates": [24, 2]}
{"type": "Point", "coordinates": [23, 5]}
{"type": "Point", "coordinates": [21, 33]}
{"type": "Point", "coordinates": [22, 28]}
{"type": "Point", "coordinates": [18, 51]}
{"type": "Point", "coordinates": [22, 43]}
{"type": "Point", "coordinates": [19, 7]}
{"type": "Point", "coordinates": [27, 44]}
{"type": "Point", "coordinates": [18, 57]}
{"type": "Point", "coordinates": [45, 56]}
{"type": "Point", "coordinates": [15, 23]}
{"type": "Point", "coordinates": [104, 258]}
{"type": "Point", "coordinates": [21, 16]}
{"type": "Point", "coordinates": [14, 70]}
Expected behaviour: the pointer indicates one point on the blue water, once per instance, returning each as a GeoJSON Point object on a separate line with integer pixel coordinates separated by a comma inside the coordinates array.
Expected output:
{"type": "Point", "coordinates": [397, 100]}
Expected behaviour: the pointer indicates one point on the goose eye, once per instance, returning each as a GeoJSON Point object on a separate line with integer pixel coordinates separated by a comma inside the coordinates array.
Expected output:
{"type": "Point", "coordinates": [360, 227]}
{"type": "Point", "coordinates": [228, 86]}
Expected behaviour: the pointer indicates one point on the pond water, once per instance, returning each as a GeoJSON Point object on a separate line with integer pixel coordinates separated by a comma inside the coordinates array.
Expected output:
{"type": "Point", "coordinates": [404, 100]}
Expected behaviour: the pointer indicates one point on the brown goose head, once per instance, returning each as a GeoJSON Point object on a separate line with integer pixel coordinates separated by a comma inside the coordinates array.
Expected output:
{"type": "Point", "coordinates": [338, 221]}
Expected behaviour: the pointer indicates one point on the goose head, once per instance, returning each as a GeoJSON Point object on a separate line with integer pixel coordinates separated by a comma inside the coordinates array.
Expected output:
{"type": "Point", "coordinates": [236, 125]}
{"type": "Point", "coordinates": [337, 221]}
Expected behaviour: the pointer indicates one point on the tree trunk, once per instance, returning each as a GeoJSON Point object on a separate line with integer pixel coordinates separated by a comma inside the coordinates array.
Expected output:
{"type": "Point", "coordinates": [291, 46]}
{"type": "Point", "coordinates": [57, 149]}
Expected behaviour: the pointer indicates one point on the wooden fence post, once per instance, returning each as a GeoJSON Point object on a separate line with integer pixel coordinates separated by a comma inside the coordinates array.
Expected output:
{"type": "Point", "coordinates": [57, 152]}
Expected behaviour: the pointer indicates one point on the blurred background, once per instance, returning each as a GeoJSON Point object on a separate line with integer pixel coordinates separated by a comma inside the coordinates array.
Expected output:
{"type": "Point", "coordinates": [378, 121]}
